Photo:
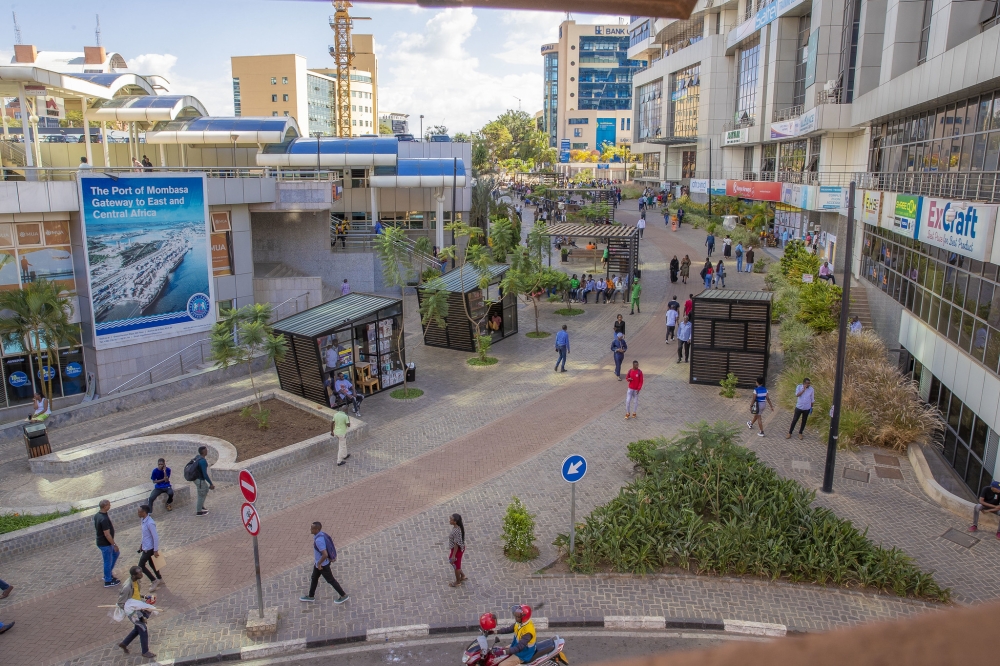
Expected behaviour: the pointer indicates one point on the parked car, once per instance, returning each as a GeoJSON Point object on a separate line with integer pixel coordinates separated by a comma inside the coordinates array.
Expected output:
{"type": "Point", "coordinates": [405, 137]}
{"type": "Point", "coordinates": [440, 138]}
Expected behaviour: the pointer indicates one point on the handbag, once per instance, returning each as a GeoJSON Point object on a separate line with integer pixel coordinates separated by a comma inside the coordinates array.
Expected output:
{"type": "Point", "coordinates": [755, 406]}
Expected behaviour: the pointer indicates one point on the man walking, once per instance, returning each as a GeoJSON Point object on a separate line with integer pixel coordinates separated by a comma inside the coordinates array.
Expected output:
{"type": "Point", "coordinates": [805, 396]}
{"type": "Point", "coordinates": [757, 407]}
{"type": "Point", "coordinates": [106, 543]}
{"type": "Point", "coordinates": [672, 314]}
{"type": "Point", "coordinates": [634, 378]}
{"type": "Point", "coordinates": [749, 259]}
{"type": "Point", "coordinates": [562, 347]}
{"type": "Point", "coordinates": [345, 288]}
{"type": "Point", "coordinates": [324, 554]}
{"type": "Point", "coordinates": [618, 348]}
{"type": "Point", "coordinates": [203, 483]}
{"type": "Point", "coordinates": [684, 340]}
{"type": "Point", "coordinates": [150, 547]}
{"type": "Point", "coordinates": [710, 243]}
{"type": "Point", "coordinates": [738, 251]}
{"type": "Point", "coordinates": [636, 288]}
{"type": "Point", "coordinates": [161, 485]}
{"type": "Point", "coordinates": [341, 422]}
{"type": "Point", "coordinates": [641, 225]}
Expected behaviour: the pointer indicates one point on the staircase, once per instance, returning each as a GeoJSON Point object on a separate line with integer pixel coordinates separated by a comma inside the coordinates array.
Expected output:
{"type": "Point", "coordinates": [859, 304]}
{"type": "Point", "coordinates": [274, 270]}
{"type": "Point", "coordinates": [361, 238]}
{"type": "Point", "coordinates": [12, 154]}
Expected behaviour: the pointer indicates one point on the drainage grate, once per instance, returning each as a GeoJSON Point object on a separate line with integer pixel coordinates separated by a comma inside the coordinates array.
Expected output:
{"type": "Point", "coordinates": [801, 466]}
{"type": "Point", "coordinates": [856, 474]}
{"type": "Point", "coordinates": [891, 461]}
{"type": "Point", "coordinates": [961, 538]}
{"type": "Point", "coordinates": [889, 473]}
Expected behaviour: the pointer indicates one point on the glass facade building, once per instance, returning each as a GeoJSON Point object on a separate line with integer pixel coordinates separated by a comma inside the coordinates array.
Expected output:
{"type": "Point", "coordinates": [746, 81]}
{"type": "Point", "coordinates": [322, 101]}
{"type": "Point", "coordinates": [650, 111]}
{"type": "Point", "coordinates": [605, 74]}
{"type": "Point", "coordinates": [685, 96]}
{"type": "Point", "coordinates": [550, 97]}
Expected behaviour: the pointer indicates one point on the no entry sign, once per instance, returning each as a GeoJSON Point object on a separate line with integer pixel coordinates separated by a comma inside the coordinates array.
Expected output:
{"type": "Point", "coordinates": [251, 520]}
{"type": "Point", "coordinates": [248, 486]}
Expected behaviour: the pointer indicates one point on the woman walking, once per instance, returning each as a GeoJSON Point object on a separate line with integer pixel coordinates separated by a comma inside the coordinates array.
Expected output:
{"type": "Point", "coordinates": [727, 247]}
{"type": "Point", "coordinates": [706, 273]}
{"type": "Point", "coordinates": [685, 269]}
{"type": "Point", "coordinates": [456, 546]}
{"type": "Point", "coordinates": [619, 325]}
{"type": "Point", "coordinates": [720, 275]}
{"type": "Point", "coordinates": [675, 267]}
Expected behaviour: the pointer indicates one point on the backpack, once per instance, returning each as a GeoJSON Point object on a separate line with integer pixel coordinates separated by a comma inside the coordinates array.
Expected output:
{"type": "Point", "coordinates": [739, 252]}
{"type": "Point", "coordinates": [331, 550]}
{"type": "Point", "coordinates": [192, 472]}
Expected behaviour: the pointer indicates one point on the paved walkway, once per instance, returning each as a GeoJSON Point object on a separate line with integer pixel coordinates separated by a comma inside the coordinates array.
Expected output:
{"type": "Point", "coordinates": [479, 436]}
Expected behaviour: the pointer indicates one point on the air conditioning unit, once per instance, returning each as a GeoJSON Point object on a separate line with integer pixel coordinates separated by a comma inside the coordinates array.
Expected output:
{"type": "Point", "coordinates": [830, 85]}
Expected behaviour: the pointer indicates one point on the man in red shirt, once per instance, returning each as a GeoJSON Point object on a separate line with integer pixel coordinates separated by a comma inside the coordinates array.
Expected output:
{"type": "Point", "coordinates": [689, 305]}
{"type": "Point", "coordinates": [634, 378]}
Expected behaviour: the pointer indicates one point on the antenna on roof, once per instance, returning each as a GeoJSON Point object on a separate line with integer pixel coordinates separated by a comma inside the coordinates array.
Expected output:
{"type": "Point", "coordinates": [97, 30]}
{"type": "Point", "coordinates": [17, 29]}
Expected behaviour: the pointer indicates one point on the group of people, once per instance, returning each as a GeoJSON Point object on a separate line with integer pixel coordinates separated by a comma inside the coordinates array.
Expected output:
{"type": "Point", "coordinates": [679, 326]}
{"type": "Point", "coordinates": [580, 288]}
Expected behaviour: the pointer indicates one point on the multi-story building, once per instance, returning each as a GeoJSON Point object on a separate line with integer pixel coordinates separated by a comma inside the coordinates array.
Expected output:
{"type": "Point", "coordinates": [397, 122]}
{"type": "Point", "coordinates": [791, 100]}
{"type": "Point", "coordinates": [282, 85]}
{"type": "Point", "coordinates": [587, 96]}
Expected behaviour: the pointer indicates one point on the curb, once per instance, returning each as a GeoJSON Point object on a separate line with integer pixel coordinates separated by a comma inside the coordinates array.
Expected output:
{"type": "Point", "coordinates": [387, 634]}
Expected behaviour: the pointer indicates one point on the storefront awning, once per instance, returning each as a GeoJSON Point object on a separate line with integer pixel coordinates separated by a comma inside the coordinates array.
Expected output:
{"type": "Point", "coordinates": [328, 316]}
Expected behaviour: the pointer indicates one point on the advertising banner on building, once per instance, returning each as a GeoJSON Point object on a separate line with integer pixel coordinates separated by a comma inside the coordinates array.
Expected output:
{"type": "Point", "coordinates": [700, 186]}
{"type": "Point", "coordinates": [906, 214]}
{"type": "Point", "coordinates": [754, 189]}
{"type": "Point", "coordinates": [564, 151]}
{"type": "Point", "coordinates": [795, 127]}
{"type": "Point", "coordinates": [149, 260]}
{"type": "Point", "coordinates": [961, 227]}
{"type": "Point", "coordinates": [736, 136]}
{"type": "Point", "coordinates": [871, 206]}
{"type": "Point", "coordinates": [796, 195]}
{"type": "Point", "coordinates": [831, 198]}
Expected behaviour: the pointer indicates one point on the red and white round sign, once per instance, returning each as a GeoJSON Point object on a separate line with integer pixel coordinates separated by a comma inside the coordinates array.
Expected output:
{"type": "Point", "coordinates": [251, 521]}
{"type": "Point", "coordinates": [248, 486]}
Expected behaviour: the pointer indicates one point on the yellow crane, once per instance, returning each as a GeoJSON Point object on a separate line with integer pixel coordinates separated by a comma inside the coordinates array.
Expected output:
{"type": "Point", "coordinates": [343, 56]}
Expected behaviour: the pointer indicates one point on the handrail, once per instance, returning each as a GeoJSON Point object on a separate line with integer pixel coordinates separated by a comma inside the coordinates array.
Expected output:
{"type": "Point", "coordinates": [149, 373]}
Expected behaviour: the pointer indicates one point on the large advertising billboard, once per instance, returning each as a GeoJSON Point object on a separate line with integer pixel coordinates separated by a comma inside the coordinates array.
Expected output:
{"type": "Point", "coordinates": [149, 259]}
{"type": "Point", "coordinates": [961, 227]}
{"type": "Point", "coordinates": [754, 189]}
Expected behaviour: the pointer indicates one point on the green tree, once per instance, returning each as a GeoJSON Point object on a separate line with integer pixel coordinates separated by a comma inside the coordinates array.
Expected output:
{"type": "Point", "coordinates": [435, 130]}
{"type": "Point", "coordinates": [384, 128]}
{"type": "Point", "coordinates": [240, 336]}
{"type": "Point", "coordinates": [36, 317]}
{"type": "Point", "coordinates": [758, 216]}
{"type": "Point", "coordinates": [462, 137]}
{"type": "Point", "coordinates": [397, 271]}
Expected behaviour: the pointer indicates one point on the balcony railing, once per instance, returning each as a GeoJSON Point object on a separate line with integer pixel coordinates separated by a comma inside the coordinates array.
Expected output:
{"type": "Point", "coordinates": [787, 113]}
{"type": "Point", "coordinates": [739, 124]}
{"type": "Point", "coordinates": [15, 173]}
{"type": "Point", "coordinates": [830, 96]}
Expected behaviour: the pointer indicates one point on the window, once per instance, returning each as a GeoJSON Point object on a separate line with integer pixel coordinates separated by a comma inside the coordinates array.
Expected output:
{"type": "Point", "coordinates": [801, 58]}
{"type": "Point", "coordinates": [925, 31]}
{"type": "Point", "coordinates": [747, 160]}
{"type": "Point", "coordinates": [550, 95]}
{"type": "Point", "coordinates": [628, 124]}
{"type": "Point", "coordinates": [236, 96]}
{"type": "Point", "coordinates": [274, 98]}
{"type": "Point", "coordinates": [579, 146]}
{"type": "Point", "coordinates": [688, 163]}
{"type": "Point", "coordinates": [769, 161]}
{"type": "Point", "coordinates": [274, 113]}
{"type": "Point", "coordinates": [792, 157]}
{"type": "Point", "coordinates": [685, 91]}
{"type": "Point", "coordinates": [274, 81]}
{"type": "Point", "coordinates": [286, 114]}
{"type": "Point", "coordinates": [578, 121]}
{"type": "Point", "coordinates": [359, 178]}
{"type": "Point", "coordinates": [650, 101]}
{"type": "Point", "coordinates": [605, 74]}
{"type": "Point", "coordinates": [284, 98]}
{"type": "Point", "coordinates": [746, 81]}
{"type": "Point", "coordinates": [284, 80]}
{"type": "Point", "coordinates": [849, 48]}
{"type": "Point", "coordinates": [577, 132]}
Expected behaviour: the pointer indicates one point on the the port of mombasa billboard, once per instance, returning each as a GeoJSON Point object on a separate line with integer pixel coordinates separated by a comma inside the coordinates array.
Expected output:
{"type": "Point", "coordinates": [149, 260]}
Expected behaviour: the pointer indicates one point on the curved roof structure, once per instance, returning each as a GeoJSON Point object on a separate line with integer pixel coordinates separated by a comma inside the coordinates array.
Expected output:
{"type": "Point", "coordinates": [422, 172]}
{"type": "Point", "coordinates": [333, 152]}
{"type": "Point", "coordinates": [241, 129]}
{"type": "Point", "coordinates": [70, 62]}
{"type": "Point", "coordinates": [148, 108]}
{"type": "Point", "coordinates": [101, 86]}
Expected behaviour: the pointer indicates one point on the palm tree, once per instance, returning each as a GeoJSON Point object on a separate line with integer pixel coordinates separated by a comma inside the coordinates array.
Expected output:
{"type": "Point", "coordinates": [36, 316]}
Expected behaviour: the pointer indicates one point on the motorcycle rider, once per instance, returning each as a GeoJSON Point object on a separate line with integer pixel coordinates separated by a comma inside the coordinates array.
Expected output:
{"type": "Point", "coordinates": [523, 645]}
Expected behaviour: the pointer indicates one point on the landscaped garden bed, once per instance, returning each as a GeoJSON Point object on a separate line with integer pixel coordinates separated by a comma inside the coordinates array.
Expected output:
{"type": "Point", "coordinates": [706, 505]}
{"type": "Point", "coordinates": [10, 522]}
{"type": "Point", "coordinates": [287, 425]}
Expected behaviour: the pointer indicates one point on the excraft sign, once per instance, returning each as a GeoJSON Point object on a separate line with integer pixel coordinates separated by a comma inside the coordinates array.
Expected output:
{"type": "Point", "coordinates": [958, 226]}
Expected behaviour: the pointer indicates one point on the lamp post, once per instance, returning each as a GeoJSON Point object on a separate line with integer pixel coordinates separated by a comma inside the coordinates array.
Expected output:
{"type": "Point", "coordinates": [518, 101]}
{"type": "Point", "coordinates": [234, 137]}
{"type": "Point", "coordinates": [709, 180]}
{"type": "Point", "coordinates": [421, 127]}
{"type": "Point", "coordinates": [318, 163]}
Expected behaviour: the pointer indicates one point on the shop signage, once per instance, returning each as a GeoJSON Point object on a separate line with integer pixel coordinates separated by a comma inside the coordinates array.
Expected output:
{"type": "Point", "coordinates": [831, 198]}
{"type": "Point", "coordinates": [871, 206]}
{"type": "Point", "coordinates": [958, 226]}
{"type": "Point", "coordinates": [700, 186]}
{"type": "Point", "coordinates": [610, 30]}
{"type": "Point", "coordinates": [149, 256]}
{"type": "Point", "coordinates": [787, 129]}
{"type": "Point", "coordinates": [18, 379]}
{"type": "Point", "coordinates": [754, 189]}
{"type": "Point", "coordinates": [564, 151]}
{"type": "Point", "coordinates": [796, 195]}
{"type": "Point", "coordinates": [73, 370]}
{"type": "Point", "coordinates": [906, 214]}
{"type": "Point", "coordinates": [51, 107]}
{"type": "Point", "coordinates": [548, 48]}
{"type": "Point", "coordinates": [733, 137]}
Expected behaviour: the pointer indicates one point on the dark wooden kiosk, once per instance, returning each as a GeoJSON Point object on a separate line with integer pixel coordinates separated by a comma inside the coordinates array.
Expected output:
{"type": "Point", "coordinates": [357, 335]}
{"type": "Point", "coordinates": [463, 285]}
{"type": "Point", "coordinates": [731, 332]}
{"type": "Point", "coordinates": [622, 243]}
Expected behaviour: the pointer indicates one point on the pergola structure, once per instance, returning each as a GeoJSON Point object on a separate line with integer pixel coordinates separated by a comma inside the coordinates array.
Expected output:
{"type": "Point", "coordinates": [622, 242]}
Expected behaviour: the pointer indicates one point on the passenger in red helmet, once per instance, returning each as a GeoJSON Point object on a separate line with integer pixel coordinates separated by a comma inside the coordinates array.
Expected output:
{"type": "Point", "coordinates": [523, 645]}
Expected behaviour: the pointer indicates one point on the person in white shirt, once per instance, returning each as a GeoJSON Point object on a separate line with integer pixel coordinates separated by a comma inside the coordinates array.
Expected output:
{"type": "Point", "coordinates": [825, 273]}
{"type": "Point", "coordinates": [640, 225]}
{"type": "Point", "coordinates": [84, 164]}
{"type": "Point", "coordinates": [43, 409]}
{"type": "Point", "coordinates": [684, 340]}
{"type": "Point", "coordinates": [855, 325]}
{"type": "Point", "coordinates": [805, 396]}
{"type": "Point", "coordinates": [672, 315]}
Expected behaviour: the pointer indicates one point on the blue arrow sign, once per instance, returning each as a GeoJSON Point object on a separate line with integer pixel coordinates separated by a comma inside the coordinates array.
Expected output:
{"type": "Point", "coordinates": [573, 468]}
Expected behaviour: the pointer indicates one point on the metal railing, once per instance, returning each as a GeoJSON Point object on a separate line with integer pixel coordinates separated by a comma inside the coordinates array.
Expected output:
{"type": "Point", "coordinates": [363, 239]}
{"type": "Point", "coordinates": [285, 308]}
{"type": "Point", "coordinates": [739, 124]}
{"type": "Point", "coordinates": [829, 96]}
{"type": "Point", "coordinates": [787, 113]}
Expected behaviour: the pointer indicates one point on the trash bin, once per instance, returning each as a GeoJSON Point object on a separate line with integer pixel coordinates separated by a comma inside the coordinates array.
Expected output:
{"type": "Point", "coordinates": [36, 440]}
{"type": "Point", "coordinates": [411, 372]}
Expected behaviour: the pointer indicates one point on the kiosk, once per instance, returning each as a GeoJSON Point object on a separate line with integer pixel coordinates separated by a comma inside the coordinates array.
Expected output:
{"type": "Point", "coordinates": [730, 332]}
{"type": "Point", "coordinates": [499, 318]}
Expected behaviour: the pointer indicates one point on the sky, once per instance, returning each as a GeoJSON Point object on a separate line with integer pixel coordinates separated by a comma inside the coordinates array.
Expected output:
{"type": "Point", "coordinates": [458, 67]}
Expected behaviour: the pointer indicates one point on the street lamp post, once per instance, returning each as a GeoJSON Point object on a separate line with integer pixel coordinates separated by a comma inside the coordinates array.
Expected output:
{"type": "Point", "coordinates": [234, 137]}
{"type": "Point", "coordinates": [710, 180]}
{"type": "Point", "coordinates": [318, 163]}
{"type": "Point", "coordinates": [421, 127]}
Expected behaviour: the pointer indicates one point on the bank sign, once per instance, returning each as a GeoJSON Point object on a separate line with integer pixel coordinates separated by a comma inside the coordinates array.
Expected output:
{"type": "Point", "coordinates": [961, 227]}
{"type": "Point", "coordinates": [610, 30]}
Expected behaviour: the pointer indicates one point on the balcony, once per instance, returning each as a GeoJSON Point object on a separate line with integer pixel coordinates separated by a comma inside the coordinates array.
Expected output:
{"type": "Point", "coordinates": [787, 113]}
{"type": "Point", "coordinates": [834, 96]}
{"type": "Point", "coordinates": [746, 121]}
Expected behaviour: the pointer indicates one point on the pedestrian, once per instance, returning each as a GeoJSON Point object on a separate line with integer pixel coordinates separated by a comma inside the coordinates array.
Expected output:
{"type": "Point", "coordinates": [619, 325]}
{"type": "Point", "coordinates": [684, 340]}
{"type": "Point", "coordinates": [636, 288]}
{"type": "Point", "coordinates": [706, 273]}
{"type": "Point", "coordinates": [634, 378]}
{"type": "Point", "coordinates": [749, 256]}
{"type": "Point", "coordinates": [130, 590]}
{"type": "Point", "coordinates": [345, 288]}
{"type": "Point", "coordinates": [618, 348]}
{"type": "Point", "coordinates": [341, 422]}
{"type": "Point", "coordinates": [727, 247]}
{"type": "Point", "coordinates": [855, 325]}
{"type": "Point", "coordinates": [456, 548]}
{"type": "Point", "coordinates": [84, 164]}
{"type": "Point", "coordinates": [562, 347]}
{"type": "Point", "coordinates": [161, 485]}
{"type": "Point", "coordinates": [105, 530]}
{"type": "Point", "coordinates": [324, 554]}
{"type": "Point", "coordinates": [680, 217]}
{"type": "Point", "coordinates": [599, 286]}
{"type": "Point", "coordinates": [989, 501]}
{"type": "Point", "coordinates": [760, 398]}
{"type": "Point", "coordinates": [6, 590]}
{"type": "Point", "coordinates": [641, 224]}
{"type": "Point", "coordinates": [805, 396]}
{"type": "Point", "coordinates": [666, 217]}
{"type": "Point", "coordinates": [689, 305]}
{"type": "Point", "coordinates": [675, 268]}
{"type": "Point", "coordinates": [784, 239]}
{"type": "Point", "coordinates": [685, 269]}
{"type": "Point", "coordinates": [609, 290]}
{"type": "Point", "coordinates": [574, 285]}
{"type": "Point", "coordinates": [738, 250]}
{"type": "Point", "coordinates": [720, 275]}
{"type": "Point", "coordinates": [202, 482]}
{"type": "Point", "coordinates": [710, 243]}
{"type": "Point", "coordinates": [672, 315]}
{"type": "Point", "coordinates": [149, 548]}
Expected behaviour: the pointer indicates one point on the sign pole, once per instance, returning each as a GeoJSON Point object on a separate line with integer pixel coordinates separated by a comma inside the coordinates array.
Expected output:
{"type": "Point", "coordinates": [260, 591]}
{"type": "Point", "coordinates": [572, 520]}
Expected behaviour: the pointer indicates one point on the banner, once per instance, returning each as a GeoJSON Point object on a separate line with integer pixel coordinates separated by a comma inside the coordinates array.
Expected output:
{"type": "Point", "coordinates": [736, 136]}
{"type": "Point", "coordinates": [786, 129]}
{"type": "Point", "coordinates": [871, 206]}
{"type": "Point", "coordinates": [50, 107]}
{"type": "Point", "coordinates": [961, 227]}
{"type": "Point", "coordinates": [148, 257]}
{"type": "Point", "coordinates": [796, 195]}
{"type": "Point", "coordinates": [700, 186]}
{"type": "Point", "coordinates": [754, 189]}
{"type": "Point", "coordinates": [906, 214]}
{"type": "Point", "coordinates": [831, 198]}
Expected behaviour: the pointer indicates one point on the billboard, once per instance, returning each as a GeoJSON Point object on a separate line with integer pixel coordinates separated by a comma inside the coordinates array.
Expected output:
{"type": "Point", "coordinates": [754, 189]}
{"type": "Point", "coordinates": [961, 227]}
{"type": "Point", "coordinates": [149, 260]}
{"type": "Point", "coordinates": [906, 214]}
{"type": "Point", "coordinates": [871, 206]}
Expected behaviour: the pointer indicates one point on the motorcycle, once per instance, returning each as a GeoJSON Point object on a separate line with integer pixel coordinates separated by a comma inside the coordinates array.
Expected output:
{"type": "Point", "coordinates": [479, 653]}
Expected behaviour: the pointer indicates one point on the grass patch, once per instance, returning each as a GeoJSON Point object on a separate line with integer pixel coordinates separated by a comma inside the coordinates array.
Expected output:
{"type": "Point", "coordinates": [708, 505]}
{"type": "Point", "coordinates": [489, 360]}
{"type": "Point", "coordinates": [406, 394]}
{"type": "Point", "coordinates": [570, 312]}
{"type": "Point", "coordinates": [10, 522]}
{"type": "Point", "coordinates": [539, 334]}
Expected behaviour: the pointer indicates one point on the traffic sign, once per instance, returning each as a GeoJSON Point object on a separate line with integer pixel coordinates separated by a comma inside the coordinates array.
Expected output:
{"type": "Point", "coordinates": [251, 521]}
{"type": "Point", "coordinates": [248, 486]}
{"type": "Point", "coordinates": [574, 468]}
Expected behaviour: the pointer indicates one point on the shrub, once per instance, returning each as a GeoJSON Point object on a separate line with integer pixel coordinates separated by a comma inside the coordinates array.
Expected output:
{"type": "Point", "coordinates": [729, 386]}
{"type": "Point", "coordinates": [519, 532]}
{"type": "Point", "coordinates": [819, 306]}
{"type": "Point", "coordinates": [10, 522]}
{"type": "Point", "coordinates": [785, 304]}
{"type": "Point", "coordinates": [712, 506]}
{"type": "Point", "coordinates": [641, 453]}
{"type": "Point", "coordinates": [775, 279]}
{"type": "Point", "coordinates": [796, 339]}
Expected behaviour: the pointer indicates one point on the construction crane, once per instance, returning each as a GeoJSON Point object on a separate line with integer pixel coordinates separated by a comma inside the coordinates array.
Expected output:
{"type": "Point", "coordinates": [17, 30]}
{"type": "Point", "coordinates": [343, 56]}
{"type": "Point", "coordinates": [97, 30]}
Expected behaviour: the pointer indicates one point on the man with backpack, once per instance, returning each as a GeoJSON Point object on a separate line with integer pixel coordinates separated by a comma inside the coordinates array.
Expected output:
{"type": "Point", "coordinates": [324, 554]}
{"type": "Point", "coordinates": [197, 471]}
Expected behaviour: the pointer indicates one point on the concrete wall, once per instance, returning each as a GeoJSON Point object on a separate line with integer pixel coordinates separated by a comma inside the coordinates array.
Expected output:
{"type": "Point", "coordinates": [278, 290]}
{"type": "Point", "coordinates": [886, 313]}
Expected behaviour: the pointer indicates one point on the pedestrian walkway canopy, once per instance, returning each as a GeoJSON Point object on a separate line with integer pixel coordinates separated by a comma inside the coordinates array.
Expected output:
{"type": "Point", "coordinates": [357, 335]}
{"type": "Point", "coordinates": [622, 243]}
{"type": "Point", "coordinates": [491, 311]}
{"type": "Point", "coordinates": [212, 130]}
{"type": "Point", "coordinates": [147, 108]}
{"type": "Point", "coordinates": [730, 333]}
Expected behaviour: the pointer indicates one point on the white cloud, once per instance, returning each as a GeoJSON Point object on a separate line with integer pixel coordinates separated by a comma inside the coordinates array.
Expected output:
{"type": "Point", "coordinates": [215, 94]}
{"type": "Point", "coordinates": [526, 32]}
{"type": "Point", "coordinates": [432, 72]}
